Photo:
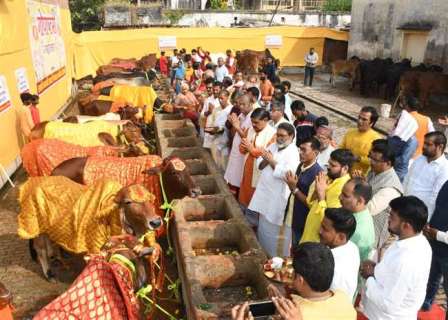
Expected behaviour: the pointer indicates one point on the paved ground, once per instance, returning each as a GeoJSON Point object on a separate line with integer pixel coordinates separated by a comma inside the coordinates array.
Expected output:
{"type": "Point", "coordinates": [23, 276]}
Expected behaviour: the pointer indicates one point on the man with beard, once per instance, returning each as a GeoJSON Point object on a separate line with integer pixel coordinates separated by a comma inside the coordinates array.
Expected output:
{"type": "Point", "coordinates": [396, 286]}
{"type": "Point", "coordinates": [324, 192]}
{"type": "Point", "coordinates": [304, 122]}
{"type": "Point", "coordinates": [354, 197]}
{"type": "Point", "coordinates": [359, 140]}
{"type": "Point", "coordinates": [337, 227]}
{"type": "Point", "coordinates": [271, 195]}
{"type": "Point", "coordinates": [429, 172]}
{"type": "Point", "coordinates": [386, 186]}
{"type": "Point", "coordinates": [241, 124]}
{"type": "Point", "coordinates": [325, 136]}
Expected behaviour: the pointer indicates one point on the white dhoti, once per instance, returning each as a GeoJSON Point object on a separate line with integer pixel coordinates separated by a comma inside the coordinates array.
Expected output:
{"type": "Point", "coordinates": [274, 239]}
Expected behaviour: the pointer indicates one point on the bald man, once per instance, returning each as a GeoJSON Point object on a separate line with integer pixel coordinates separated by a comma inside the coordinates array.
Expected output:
{"type": "Point", "coordinates": [325, 136]}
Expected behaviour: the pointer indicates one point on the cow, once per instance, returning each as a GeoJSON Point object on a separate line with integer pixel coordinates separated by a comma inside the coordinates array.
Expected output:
{"type": "Point", "coordinates": [150, 75]}
{"type": "Point", "coordinates": [121, 270]}
{"type": "Point", "coordinates": [89, 134]}
{"type": "Point", "coordinates": [176, 178]}
{"type": "Point", "coordinates": [423, 84]}
{"type": "Point", "coordinates": [41, 156]}
{"type": "Point", "coordinates": [87, 170]}
{"type": "Point", "coordinates": [147, 62]}
{"type": "Point", "coordinates": [393, 75]}
{"type": "Point", "coordinates": [344, 67]}
{"type": "Point", "coordinates": [251, 61]}
{"type": "Point", "coordinates": [57, 212]}
{"type": "Point", "coordinates": [372, 74]}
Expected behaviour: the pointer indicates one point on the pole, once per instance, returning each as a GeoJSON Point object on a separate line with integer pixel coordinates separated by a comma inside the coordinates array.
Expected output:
{"type": "Point", "coordinates": [275, 12]}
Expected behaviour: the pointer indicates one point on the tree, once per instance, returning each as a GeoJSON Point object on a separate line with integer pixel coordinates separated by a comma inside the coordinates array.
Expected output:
{"type": "Point", "coordinates": [86, 14]}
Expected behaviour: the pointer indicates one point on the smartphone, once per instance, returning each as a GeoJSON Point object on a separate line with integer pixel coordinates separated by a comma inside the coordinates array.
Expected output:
{"type": "Point", "coordinates": [262, 309]}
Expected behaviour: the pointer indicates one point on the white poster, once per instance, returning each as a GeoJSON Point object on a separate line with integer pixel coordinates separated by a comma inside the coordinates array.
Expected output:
{"type": "Point", "coordinates": [47, 44]}
{"type": "Point", "coordinates": [167, 42]}
{"type": "Point", "coordinates": [5, 100]}
{"type": "Point", "coordinates": [22, 80]}
{"type": "Point", "coordinates": [273, 41]}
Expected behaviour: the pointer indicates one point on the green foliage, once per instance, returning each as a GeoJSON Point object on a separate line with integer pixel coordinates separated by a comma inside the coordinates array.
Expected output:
{"type": "Point", "coordinates": [338, 5]}
{"type": "Point", "coordinates": [218, 4]}
{"type": "Point", "coordinates": [174, 16]}
{"type": "Point", "coordinates": [85, 14]}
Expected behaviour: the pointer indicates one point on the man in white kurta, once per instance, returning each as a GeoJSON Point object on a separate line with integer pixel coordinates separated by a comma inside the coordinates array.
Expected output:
{"type": "Point", "coordinates": [272, 192]}
{"type": "Point", "coordinates": [210, 104]}
{"type": "Point", "coordinates": [235, 165]}
{"type": "Point", "coordinates": [219, 147]}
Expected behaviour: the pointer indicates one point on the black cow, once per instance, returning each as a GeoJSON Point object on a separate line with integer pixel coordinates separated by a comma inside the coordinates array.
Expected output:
{"type": "Point", "coordinates": [373, 74]}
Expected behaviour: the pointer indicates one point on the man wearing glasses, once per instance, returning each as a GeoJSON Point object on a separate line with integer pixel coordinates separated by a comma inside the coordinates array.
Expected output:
{"type": "Point", "coordinates": [386, 186]}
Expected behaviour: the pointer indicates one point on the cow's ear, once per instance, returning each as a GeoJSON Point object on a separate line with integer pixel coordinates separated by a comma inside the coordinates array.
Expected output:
{"type": "Point", "coordinates": [119, 197]}
{"type": "Point", "coordinates": [107, 139]}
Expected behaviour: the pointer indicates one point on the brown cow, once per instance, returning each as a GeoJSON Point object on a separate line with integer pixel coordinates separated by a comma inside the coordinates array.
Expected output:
{"type": "Point", "coordinates": [252, 61]}
{"type": "Point", "coordinates": [178, 183]}
{"type": "Point", "coordinates": [131, 133]}
{"type": "Point", "coordinates": [131, 206]}
{"type": "Point", "coordinates": [423, 84]}
{"type": "Point", "coordinates": [147, 62]}
{"type": "Point", "coordinates": [107, 69]}
{"type": "Point", "coordinates": [343, 67]}
{"type": "Point", "coordinates": [176, 179]}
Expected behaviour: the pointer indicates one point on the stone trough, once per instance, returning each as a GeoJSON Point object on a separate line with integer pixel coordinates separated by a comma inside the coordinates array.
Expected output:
{"type": "Point", "coordinates": [218, 256]}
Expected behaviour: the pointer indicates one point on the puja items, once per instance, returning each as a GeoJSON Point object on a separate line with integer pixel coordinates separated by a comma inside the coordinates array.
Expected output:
{"type": "Point", "coordinates": [279, 270]}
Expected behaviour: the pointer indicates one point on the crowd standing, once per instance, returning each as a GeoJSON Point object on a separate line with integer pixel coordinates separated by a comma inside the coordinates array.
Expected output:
{"type": "Point", "coordinates": [364, 221]}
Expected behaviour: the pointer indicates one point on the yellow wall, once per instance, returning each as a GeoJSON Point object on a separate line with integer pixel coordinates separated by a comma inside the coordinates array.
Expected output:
{"type": "Point", "coordinates": [95, 48]}
{"type": "Point", "coordinates": [15, 53]}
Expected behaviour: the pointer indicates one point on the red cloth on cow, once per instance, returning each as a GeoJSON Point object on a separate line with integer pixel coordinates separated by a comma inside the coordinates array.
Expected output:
{"type": "Point", "coordinates": [41, 156]}
{"type": "Point", "coordinates": [125, 65]}
{"type": "Point", "coordinates": [102, 291]}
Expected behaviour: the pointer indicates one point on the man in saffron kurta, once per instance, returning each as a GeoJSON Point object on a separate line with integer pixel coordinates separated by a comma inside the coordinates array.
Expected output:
{"type": "Point", "coordinates": [259, 136]}
{"type": "Point", "coordinates": [324, 192]}
{"type": "Point", "coordinates": [359, 140]}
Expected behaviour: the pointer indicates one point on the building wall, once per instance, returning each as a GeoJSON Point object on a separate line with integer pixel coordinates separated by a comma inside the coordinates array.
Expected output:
{"type": "Point", "coordinates": [374, 28]}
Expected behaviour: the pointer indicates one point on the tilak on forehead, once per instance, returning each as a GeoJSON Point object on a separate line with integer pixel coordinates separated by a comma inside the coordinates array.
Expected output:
{"type": "Point", "coordinates": [178, 164]}
{"type": "Point", "coordinates": [138, 193]}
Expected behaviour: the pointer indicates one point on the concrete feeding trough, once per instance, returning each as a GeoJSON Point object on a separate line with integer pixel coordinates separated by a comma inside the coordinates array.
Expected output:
{"type": "Point", "coordinates": [218, 256]}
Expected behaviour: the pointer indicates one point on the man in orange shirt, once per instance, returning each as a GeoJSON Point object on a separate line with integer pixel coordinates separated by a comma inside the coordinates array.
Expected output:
{"type": "Point", "coordinates": [266, 89]}
{"type": "Point", "coordinates": [425, 124]}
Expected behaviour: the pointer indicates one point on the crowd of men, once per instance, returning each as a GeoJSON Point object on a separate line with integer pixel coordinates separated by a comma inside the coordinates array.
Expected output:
{"type": "Point", "coordinates": [364, 221]}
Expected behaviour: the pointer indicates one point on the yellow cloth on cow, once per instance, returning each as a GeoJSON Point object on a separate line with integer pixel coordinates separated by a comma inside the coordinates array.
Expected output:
{"type": "Point", "coordinates": [137, 96]}
{"type": "Point", "coordinates": [78, 218]}
{"type": "Point", "coordinates": [83, 134]}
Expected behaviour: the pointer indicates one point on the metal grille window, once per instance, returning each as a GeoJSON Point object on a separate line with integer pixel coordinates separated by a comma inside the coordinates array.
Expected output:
{"type": "Point", "coordinates": [293, 4]}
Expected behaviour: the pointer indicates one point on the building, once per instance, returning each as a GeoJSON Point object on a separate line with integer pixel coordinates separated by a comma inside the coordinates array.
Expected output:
{"type": "Point", "coordinates": [413, 29]}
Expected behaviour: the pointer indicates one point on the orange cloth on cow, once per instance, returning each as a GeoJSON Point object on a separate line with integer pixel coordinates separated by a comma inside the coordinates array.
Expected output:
{"type": "Point", "coordinates": [138, 96]}
{"type": "Point", "coordinates": [101, 85]}
{"type": "Point", "coordinates": [78, 218]}
{"type": "Point", "coordinates": [83, 134]}
{"type": "Point", "coordinates": [103, 290]}
{"type": "Point", "coordinates": [41, 156]}
{"type": "Point", "coordinates": [125, 171]}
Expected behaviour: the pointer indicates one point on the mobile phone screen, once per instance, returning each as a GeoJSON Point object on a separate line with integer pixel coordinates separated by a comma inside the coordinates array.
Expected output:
{"type": "Point", "coordinates": [265, 308]}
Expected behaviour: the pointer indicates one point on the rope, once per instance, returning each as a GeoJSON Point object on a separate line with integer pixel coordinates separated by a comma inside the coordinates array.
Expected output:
{"type": "Point", "coordinates": [167, 206]}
